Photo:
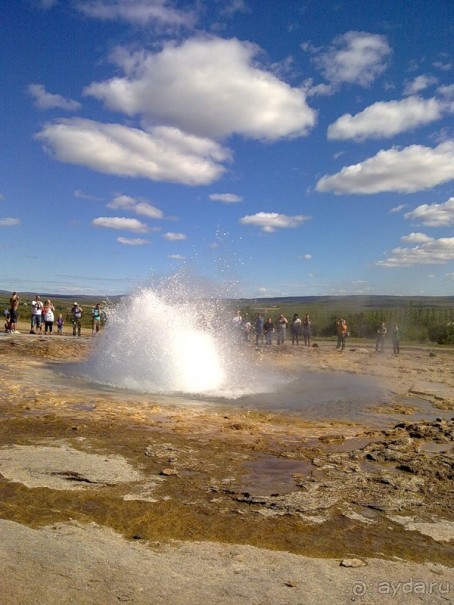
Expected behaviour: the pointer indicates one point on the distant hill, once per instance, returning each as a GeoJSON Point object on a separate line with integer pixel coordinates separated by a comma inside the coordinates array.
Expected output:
{"type": "Point", "coordinates": [375, 301]}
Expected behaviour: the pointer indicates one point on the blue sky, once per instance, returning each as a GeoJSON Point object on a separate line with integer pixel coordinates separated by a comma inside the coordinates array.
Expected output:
{"type": "Point", "coordinates": [286, 148]}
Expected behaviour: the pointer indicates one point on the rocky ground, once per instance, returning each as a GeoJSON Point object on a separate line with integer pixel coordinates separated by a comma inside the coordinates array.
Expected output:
{"type": "Point", "coordinates": [113, 497]}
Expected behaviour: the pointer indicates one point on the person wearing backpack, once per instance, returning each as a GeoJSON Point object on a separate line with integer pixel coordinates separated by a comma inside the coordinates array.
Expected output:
{"type": "Point", "coordinates": [76, 313]}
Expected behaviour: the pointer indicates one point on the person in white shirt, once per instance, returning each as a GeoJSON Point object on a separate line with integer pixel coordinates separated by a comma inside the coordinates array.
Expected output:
{"type": "Point", "coordinates": [37, 315]}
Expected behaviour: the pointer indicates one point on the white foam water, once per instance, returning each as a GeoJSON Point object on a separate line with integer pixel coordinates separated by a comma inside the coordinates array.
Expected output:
{"type": "Point", "coordinates": [168, 341]}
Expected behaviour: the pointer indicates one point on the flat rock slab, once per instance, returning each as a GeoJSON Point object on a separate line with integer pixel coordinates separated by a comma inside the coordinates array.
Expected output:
{"type": "Point", "coordinates": [63, 467]}
{"type": "Point", "coordinates": [63, 564]}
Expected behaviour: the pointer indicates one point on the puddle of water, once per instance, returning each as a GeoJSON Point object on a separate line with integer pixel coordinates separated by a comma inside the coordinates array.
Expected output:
{"type": "Point", "coordinates": [269, 475]}
{"type": "Point", "coordinates": [434, 448]}
{"type": "Point", "coordinates": [349, 445]}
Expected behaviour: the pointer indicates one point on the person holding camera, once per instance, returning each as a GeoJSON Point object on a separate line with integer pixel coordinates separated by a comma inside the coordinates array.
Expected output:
{"type": "Point", "coordinates": [37, 315]}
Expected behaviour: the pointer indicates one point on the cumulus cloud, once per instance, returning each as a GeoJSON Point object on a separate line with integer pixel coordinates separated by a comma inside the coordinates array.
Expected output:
{"type": "Point", "coordinates": [354, 58]}
{"type": "Point", "coordinates": [139, 12]}
{"type": "Point", "coordinates": [164, 154]}
{"type": "Point", "coordinates": [209, 87]}
{"type": "Point", "coordinates": [429, 252]}
{"type": "Point", "coordinates": [386, 119]}
{"type": "Point", "coordinates": [141, 207]}
{"type": "Point", "coordinates": [134, 241]}
{"type": "Point", "coordinates": [226, 198]}
{"type": "Point", "coordinates": [46, 100]}
{"type": "Point", "coordinates": [434, 215]}
{"type": "Point", "coordinates": [174, 237]}
{"type": "Point", "coordinates": [270, 221]}
{"type": "Point", "coordinates": [120, 223]}
{"type": "Point", "coordinates": [416, 238]}
{"type": "Point", "coordinates": [407, 170]}
{"type": "Point", "coordinates": [9, 222]}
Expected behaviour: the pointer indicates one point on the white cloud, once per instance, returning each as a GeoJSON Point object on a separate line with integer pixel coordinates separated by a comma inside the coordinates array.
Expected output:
{"type": "Point", "coordinates": [135, 241]}
{"type": "Point", "coordinates": [164, 154]}
{"type": "Point", "coordinates": [140, 12]}
{"type": "Point", "coordinates": [46, 4]}
{"type": "Point", "coordinates": [407, 170]}
{"type": "Point", "coordinates": [174, 237]}
{"type": "Point", "coordinates": [307, 256]}
{"type": "Point", "coordinates": [434, 215]}
{"type": "Point", "coordinates": [46, 100]}
{"type": "Point", "coordinates": [141, 207]}
{"type": "Point", "coordinates": [207, 86]}
{"type": "Point", "coordinates": [122, 224]}
{"type": "Point", "coordinates": [226, 198]}
{"type": "Point", "coordinates": [418, 84]}
{"type": "Point", "coordinates": [386, 119]}
{"type": "Point", "coordinates": [9, 222]}
{"type": "Point", "coordinates": [416, 238]}
{"type": "Point", "coordinates": [270, 221]}
{"type": "Point", "coordinates": [176, 257]}
{"type": "Point", "coordinates": [397, 208]}
{"type": "Point", "coordinates": [86, 196]}
{"type": "Point", "coordinates": [354, 58]}
{"type": "Point", "coordinates": [430, 252]}
{"type": "Point", "coordinates": [234, 6]}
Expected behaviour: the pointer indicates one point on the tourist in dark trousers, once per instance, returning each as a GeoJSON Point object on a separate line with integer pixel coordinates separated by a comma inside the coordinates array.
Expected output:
{"type": "Point", "coordinates": [48, 317]}
{"type": "Point", "coordinates": [76, 314]}
{"type": "Point", "coordinates": [259, 323]}
{"type": "Point", "coordinates": [295, 329]}
{"type": "Point", "coordinates": [396, 340]}
{"type": "Point", "coordinates": [268, 329]}
{"type": "Point", "coordinates": [341, 329]}
{"type": "Point", "coordinates": [13, 312]}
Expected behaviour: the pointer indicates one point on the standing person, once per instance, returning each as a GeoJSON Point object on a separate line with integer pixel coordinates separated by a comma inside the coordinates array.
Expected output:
{"type": "Point", "coordinates": [246, 327]}
{"type": "Point", "coordinates": [13, 312]}
{"type": "Point", "coordinates": [381, 333]}
{"type": "Point", "coordinates": [295, 329]}
{"type": "Point", "coordinates": [60, 324]}
{"type": "Point", "coordinates": [37, 315]}
{"type": "Point", "coordinates": [76, 314]}
{"type": "Point", "coordinates": [259, 323]}
{"type": "Point", "coordinates": [237, 324]}
{"type": "Point", "coordinates": [281, 327]}
{"type": "Point", "coordinates": [307, 330]}
{"type": "Point", "coordinates": [341, 329]}
{"type": "Point", "coordinates": [268, 329]}
{"type": "Point", "coordinates": [48, 317]}
{"type": "Point", "coordinates": [396, 340]}
{"type": "Point", "coordinates": [95, 319]}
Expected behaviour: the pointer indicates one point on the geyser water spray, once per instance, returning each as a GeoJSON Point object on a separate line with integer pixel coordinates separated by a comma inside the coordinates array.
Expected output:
{"type": "Point", "coordinates": [167, 340]}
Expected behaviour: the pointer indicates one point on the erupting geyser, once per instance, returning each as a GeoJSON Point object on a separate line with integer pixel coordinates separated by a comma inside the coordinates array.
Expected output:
{"type": "Point", "coordinates": [165, 341]}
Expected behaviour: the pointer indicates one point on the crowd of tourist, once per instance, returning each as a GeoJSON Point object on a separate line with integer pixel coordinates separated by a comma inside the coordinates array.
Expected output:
{"type": "Point", "coordinates": [265, 330]}
{"type": "Point", "coordinates": [43, 315]}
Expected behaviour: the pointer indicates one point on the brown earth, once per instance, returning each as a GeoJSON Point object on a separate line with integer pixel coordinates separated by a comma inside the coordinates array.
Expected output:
{"type": "Point", "coordinates": [241, 494]}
